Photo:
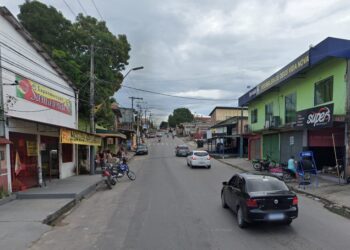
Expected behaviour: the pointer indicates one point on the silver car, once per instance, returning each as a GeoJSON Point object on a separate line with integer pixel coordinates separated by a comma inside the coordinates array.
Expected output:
{"type": "Point", "coordinates": [199, 158]}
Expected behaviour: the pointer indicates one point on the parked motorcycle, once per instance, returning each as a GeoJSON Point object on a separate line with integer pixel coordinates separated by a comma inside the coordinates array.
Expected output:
{"type": "Point", "coordinates": [263, 164]}
{"type": "Point", "coordinates": [110, 174]}
{"type": "Point", "coordinates": [123, 169]}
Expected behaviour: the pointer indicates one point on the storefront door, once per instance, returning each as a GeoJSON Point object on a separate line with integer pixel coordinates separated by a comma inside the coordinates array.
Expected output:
{"type": "Point", "coordinates": [271, 146]}
{"type": "Point", "coordinates": [291, 144]}
{"type": "Point", "coordinates": [24, 161]}
{"type": "Point", "coordinates": [254, 148]}
{"type": "Point", "coordinates": [49, 157]}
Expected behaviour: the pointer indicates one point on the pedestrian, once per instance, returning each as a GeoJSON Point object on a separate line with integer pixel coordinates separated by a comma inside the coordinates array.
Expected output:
{"type": "Point", "coordinates": [292, 166]}
{"type": "Point", "coordinates": [109, 157]}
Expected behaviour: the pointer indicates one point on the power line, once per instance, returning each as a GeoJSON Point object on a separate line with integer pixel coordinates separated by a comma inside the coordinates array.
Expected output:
{"type": "Point", "coordinates": [69, 8]}
{"type": "Point", "coordinates": [93, 2]}
{"type": "Point", "coordinates": [176, 96]}
{"type": "Point", "coordinates": [82, 7]}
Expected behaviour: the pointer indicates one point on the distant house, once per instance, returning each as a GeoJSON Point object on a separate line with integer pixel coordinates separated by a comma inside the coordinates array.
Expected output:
{"type": "Point", "coordinates": [222, 113]}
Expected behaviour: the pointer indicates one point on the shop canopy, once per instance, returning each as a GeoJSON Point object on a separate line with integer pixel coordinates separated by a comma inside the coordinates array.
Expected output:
{"type": "Point", "coordinates": [71, 136]}
{"type": "Point", "coordinates": [112, 135]}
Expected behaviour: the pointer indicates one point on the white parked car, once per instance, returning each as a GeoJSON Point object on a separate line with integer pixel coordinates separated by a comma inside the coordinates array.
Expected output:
{"type": "Point", "coordinates": [199, 158]}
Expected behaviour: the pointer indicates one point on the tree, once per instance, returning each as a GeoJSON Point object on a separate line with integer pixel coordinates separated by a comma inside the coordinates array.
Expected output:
{"type": "Point", "coordinates": [180, 115]}
{"type": "Point", "coordinates": [66, 43]}
{"type": "Point", "coordinates": [163, 125]}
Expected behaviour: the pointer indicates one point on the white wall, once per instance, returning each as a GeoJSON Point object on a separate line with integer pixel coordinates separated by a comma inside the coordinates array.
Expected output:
{"type": "Point", "coordinates": [37, 70]}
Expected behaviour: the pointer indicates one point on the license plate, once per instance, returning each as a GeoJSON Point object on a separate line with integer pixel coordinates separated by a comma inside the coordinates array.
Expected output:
{"type": "Point", "coordinates": [201, 162]}
{"type": "Point", "coordinates": [276, 216]}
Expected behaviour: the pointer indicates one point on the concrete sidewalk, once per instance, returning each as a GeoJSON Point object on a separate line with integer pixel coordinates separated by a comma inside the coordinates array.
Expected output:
{"type": "Point", "coordinates": [25, 219]}
{"type": "Point", "coordinates": [335, 197]}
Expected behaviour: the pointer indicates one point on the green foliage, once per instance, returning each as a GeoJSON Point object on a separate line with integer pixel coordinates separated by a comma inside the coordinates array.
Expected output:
{"type": "Point", "coordinates": [69, 45]}
{"type": "Point", "coordinates": [180, 115]}
{"type": "Point", "coordinates": [163, 125]}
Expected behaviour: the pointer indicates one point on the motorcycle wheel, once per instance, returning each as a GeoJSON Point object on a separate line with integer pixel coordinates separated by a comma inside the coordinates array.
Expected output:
{"type": "Point", "coordinates": [257, 166]}
{"type": "Point", "coordinates": [114, 181]}
{"type": "Point", "coordinates": [108, 182]}
{"type": "Point", "coordinates": [131, 175]}
{"type": "Point", "coordinates": [287, 176]}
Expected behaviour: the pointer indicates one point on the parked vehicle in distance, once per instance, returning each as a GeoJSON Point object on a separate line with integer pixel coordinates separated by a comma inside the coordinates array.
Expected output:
{"type": "Point", "coordinates": [159, 134]}
{"type": "Point", "coordinates": [151, 135]}
{"type": "Point", "coordinates": [199, 158]}
{"type": "Point", "coordinates": [259, 198]}
{"type": "Point", "coordinates": [182, 150]}
{"type": "Point", "coordinates": [141, 149]}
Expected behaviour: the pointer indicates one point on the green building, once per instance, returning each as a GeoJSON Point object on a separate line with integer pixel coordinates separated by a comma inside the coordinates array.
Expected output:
{"type": "Point", "coordinates": [303, 106]}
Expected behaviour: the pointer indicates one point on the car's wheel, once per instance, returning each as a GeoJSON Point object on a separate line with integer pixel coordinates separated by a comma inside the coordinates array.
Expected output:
{"type": "Point", "coordinates": [209, 166]}
{"type": "Point", "coordinates": [240, 219]}
{"type": "Point", "coordinates": [191, 165]}
{"type": "Point", "coordinates": [223, 202]}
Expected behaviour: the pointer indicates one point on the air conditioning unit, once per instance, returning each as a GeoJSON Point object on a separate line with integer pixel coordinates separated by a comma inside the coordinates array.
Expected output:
{"type": "Point", "coordinates": [275, 122]}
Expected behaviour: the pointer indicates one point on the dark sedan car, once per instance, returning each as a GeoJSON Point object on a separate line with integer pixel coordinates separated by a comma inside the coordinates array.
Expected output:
{"type": "Point", "coordinates": [259, 198]}
{"type": "Point", "coordinates": [141, 149]}
{"type": "Point", "coordinates": [182, 150]}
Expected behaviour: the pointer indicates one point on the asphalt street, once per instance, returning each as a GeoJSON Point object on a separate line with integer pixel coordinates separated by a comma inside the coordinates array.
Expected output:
{"type": "Point", "coordinates": [171, 206]}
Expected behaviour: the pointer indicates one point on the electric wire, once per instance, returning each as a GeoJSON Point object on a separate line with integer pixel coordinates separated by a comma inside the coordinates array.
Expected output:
{"type": "Point", "coordinates": [70, 9]}
{"type": "Point", "coordinates": [81, 6]}
{"type": "Point", "coordinates": [93, 2]}
{"type": "Point", "coordinates": [176, 96]}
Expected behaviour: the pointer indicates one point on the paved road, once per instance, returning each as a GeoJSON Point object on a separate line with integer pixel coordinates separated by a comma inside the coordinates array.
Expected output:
{"type": "Point", "coordinates": [171, 206]}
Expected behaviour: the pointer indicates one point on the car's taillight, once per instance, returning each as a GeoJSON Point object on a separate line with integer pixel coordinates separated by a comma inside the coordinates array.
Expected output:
{"type": "Point", "coordinates": [295, 200]}
{"type": "Point", "coordinates": [194, 158]}
{"type": "Point", "coordinates": [251, 203]}
{"type": "Point", "coordinates": [209, 157]}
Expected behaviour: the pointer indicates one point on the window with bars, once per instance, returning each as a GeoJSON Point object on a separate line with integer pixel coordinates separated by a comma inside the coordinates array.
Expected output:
{"type": "Point", "coordinates": [268, 111]}
{"type": "Point", "coordinates": [290, 108]}
{"type": "Point", "coordinates": [324, 91]}
{"type": "Point", "coordinates": [254, 116]}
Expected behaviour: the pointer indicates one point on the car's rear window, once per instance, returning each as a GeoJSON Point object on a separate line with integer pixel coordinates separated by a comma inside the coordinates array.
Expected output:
{"type": "Point", "coordinates": [200, 153]}
{"type": "Point", "coordinates": [265, 184]}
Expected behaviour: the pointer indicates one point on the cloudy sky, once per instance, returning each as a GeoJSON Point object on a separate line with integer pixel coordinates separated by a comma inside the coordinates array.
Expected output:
{"type": "Point", "coordinates": [208, 49]}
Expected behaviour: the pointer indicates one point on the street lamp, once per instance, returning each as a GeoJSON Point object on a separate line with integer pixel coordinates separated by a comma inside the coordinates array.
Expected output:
{"type": "Point", "coordinates": [133, 69]}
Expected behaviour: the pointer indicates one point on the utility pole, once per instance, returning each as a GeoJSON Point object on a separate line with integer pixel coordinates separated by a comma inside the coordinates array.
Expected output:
{"type": "Point", "coordinates": [2, 107]}
{"type": "Point", "coordinates": [132, 107]}
{"type": "Point", "coordinates": [92, 105]}
{"type": "Point", "coordinates": [132, 100]}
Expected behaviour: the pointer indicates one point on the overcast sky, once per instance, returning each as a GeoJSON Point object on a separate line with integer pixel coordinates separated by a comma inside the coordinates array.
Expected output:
{"type": "Point", "coordinates": [208, 49]}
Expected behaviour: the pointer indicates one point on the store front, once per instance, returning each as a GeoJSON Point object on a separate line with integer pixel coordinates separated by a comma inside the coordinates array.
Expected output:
{"type": "Point", "coordinates": [271, 146]}
{"type": "Point", "coordinates": [328, 146]}
{"type": "Point", "coordinates": [291, 145]}
{"type": "Point", "coordinates": [24, 161]}
{"type": "Point", "coordinates": [82, 140]}
{"type": "Point", "coordinates": [254, 147]}
{"type": "Point", "coordinates": [49, 157]}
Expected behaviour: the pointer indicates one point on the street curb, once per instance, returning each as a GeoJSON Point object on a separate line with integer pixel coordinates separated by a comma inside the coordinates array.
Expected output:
{"type": "Point", "coordinates": [328, 204]}
{"type": "Point", "coordinates": [7, 199]}
{"type": "Point", "coordinates": [55, 216]}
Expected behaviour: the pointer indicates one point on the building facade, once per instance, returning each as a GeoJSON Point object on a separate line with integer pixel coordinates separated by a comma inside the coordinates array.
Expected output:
{"type": "Point", "coordinates": [303, 106]}
{"type": "Point", "coordinates": [40, 115]}
{"type": "Point", "coordinates": [219, 114]}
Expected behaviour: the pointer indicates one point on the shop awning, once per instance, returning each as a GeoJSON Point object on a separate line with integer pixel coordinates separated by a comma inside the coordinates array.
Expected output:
{"type": "Point", "coordinates": [70, 136]}
{"type": "Point", "coordinates": [112, 135]}
{"type": "Point", "coordinates": [4, 141]}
